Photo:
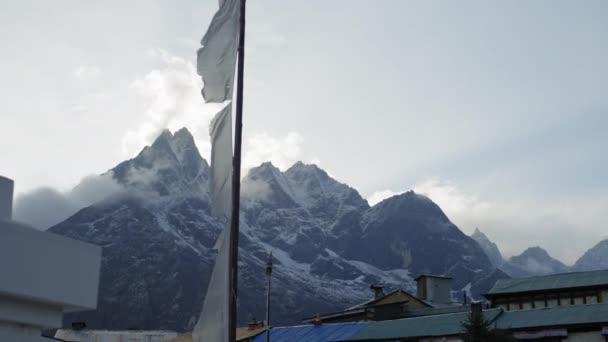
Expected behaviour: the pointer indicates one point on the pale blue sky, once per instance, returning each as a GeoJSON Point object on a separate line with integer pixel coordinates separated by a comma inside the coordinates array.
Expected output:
{"type": "Point", "coordinates": [497, 108]}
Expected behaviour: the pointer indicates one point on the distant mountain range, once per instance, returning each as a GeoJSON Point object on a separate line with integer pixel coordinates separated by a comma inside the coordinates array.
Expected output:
{"type": "Point", "coordinates": [330, 245]}
{"type": "Point", "coordinates": [536, 261]}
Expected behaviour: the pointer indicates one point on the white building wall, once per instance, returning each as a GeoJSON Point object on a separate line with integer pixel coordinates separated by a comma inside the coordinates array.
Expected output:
{"type": "Point", "coordinates": [62, 270]}
{"type": "Point", "coordinates": [10, 332]}
{"type": "Point", "coordinates": [42, 276]}
{"type": "Point", "coordinates": [593, 336]}
{"type": "Point", "coordinates": [14, 310]}
{"type": "Point", "coordinates": [115, 336]}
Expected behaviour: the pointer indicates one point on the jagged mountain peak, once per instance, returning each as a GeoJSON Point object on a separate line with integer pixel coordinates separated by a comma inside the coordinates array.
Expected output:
{"type": "Point", "coordinates": [327, 246]}
{"type": "Point", "coordinates": [171, 164]}
{"type": "Point", "coordinates": [302, 185]}
{"type": "Point", "coordinates": [533, 261]}
{"type": "Point", "coordinates": [596, 258]}
{"type": "Point", "coordinates": [301, 167]}
{"type": "Point", "coordinates": [488, 247]}
{"type": "Point", "coordinates": [412, 203]}
{"type": "Point", "coordinates": [535, 252]}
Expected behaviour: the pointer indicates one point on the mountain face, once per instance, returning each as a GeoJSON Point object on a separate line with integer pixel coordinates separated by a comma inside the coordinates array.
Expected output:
{"type": "Point", "coordinates": [488, 247]}
{"type": "Point", "coordinates": [328, 244]}
{"type": "Point", "coordinates": [532, 262]}
{"type": "Point", "coordinates": [595, 258]}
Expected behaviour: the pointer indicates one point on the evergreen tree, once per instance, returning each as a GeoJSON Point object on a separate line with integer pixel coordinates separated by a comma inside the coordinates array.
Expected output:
{"type": "Point", "coordinates": [477, 329]}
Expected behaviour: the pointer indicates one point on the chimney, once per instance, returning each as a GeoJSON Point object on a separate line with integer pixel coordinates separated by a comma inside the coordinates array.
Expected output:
{"type": "Point", "coordinates": [434, 289]}
{"type": "Point", "coordinates": [378, 290]}
{"type": "Point", "coordinates": [6, 198]}
{"type": "Point", "coordinates": [317, 320]}
{"type": "Point", "coordinates": [252, 325]}
{"type": "Point", "coordinates": [476, 310]}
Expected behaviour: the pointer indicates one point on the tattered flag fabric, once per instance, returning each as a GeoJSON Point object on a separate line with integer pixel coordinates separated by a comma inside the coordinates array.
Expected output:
{"type": "Point", "coordinates": [213, 321]}
{"type": "Point", "coordinates": [216, 63]}
{"type": "Point", "coordinates": [220, 180]}
{"type": "Point", "coordinates": [216, 60]}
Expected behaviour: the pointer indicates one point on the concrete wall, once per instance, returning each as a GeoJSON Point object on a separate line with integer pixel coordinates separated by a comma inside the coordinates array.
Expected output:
{"type": "Point", "coordinates": [20, 333]}
{"type": "Point", "coordinates": [18, 311]}
{"type": "Point", "coordinates": [593, 336]}
{"type": "Point", "coordinates": [6, 198]}
{"type": "Point", "coordinates": [115, 336]}
{"type": "Point", "coordinates": [49, 268]}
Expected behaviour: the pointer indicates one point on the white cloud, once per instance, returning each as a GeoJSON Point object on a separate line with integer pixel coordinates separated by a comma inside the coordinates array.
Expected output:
{"type": "Point", "coordinates": [45, 207]}
{"type": "Point", "coordinates": [380, 196]}
{"type": "Point", "coordinates": [172, 99]}
{"type": "Point", "coordinates": [282, 152]}
{"type": "Point", "coordinates": [86, 72]}
{"type": "Point", "coordinates": [451, 199]}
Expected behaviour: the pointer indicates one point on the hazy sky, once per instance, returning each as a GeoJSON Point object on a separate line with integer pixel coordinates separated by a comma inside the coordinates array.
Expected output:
{"type": "Point", "coordinates": [497, 110]}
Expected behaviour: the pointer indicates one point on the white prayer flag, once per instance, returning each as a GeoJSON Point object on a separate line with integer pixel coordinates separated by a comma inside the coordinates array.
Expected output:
{"type": "Point", "coordinates": [216, 60]}
{"type": "Point", "coordinates": [213, 324]}
{"type": "Point", "coordinates": [220, 179]}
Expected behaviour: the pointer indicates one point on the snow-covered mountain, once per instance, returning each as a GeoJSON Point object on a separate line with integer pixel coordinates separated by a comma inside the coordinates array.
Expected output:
{"type": "Point", "coordinates": [596, 258]}
{"type": "Point", "coordinates": [488, 247]}
{"type": "Point", "coordinates": [532, 262]}
{"type": "Point", "coordinates": [157, 237]}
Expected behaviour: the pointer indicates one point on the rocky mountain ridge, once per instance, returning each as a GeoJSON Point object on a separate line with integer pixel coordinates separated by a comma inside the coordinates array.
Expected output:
{"type": "Point", "coordinates": [535, 261]}
{"type": "Point", "coordinates": [329, 244]}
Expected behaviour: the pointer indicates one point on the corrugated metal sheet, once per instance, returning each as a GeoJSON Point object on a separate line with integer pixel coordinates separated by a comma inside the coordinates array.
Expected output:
{"type": "Point", "coordinates": [557, 316]}
{"type": "Point", "coordinates": [550, 282]}
{"type": "Point", "coordinates": [439, 325]}
{"type": "Point", "coordinates": [312, 333]}
{"type": "Point", "coordinates": [436, 311]}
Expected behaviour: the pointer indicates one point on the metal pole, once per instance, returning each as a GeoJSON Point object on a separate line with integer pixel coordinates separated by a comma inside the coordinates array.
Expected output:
{"type": "Point", "coordinates": [236, 181]}
{"type": "Point", "coordinates": [268, 277]}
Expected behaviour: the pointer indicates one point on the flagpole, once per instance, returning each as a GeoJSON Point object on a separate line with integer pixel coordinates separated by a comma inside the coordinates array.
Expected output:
{"type": "Point", "coordinates": [236, 180]}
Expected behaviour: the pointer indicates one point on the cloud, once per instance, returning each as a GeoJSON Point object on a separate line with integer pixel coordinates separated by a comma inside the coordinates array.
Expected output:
{"type": "Point", "coordinates": [44, 207]}
{"type": "Point", "coordinates": [451, 199]}
{"type": "Point", "coordinates": [282, 152]}
{"type": "Point", "coordinates": [171, 98]}
{"type": "Point", "coordinates": [86, 72]}
{"type": "Point", "coordinates": [516, 224]}
{"type": "Point", "coordinates": [380, 196]}
{"type": "Point", "coordinates": [254, 190]}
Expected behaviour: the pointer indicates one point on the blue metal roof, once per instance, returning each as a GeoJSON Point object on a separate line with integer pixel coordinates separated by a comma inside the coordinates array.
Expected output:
{"type": "Point", "coordinates": [313, 333]}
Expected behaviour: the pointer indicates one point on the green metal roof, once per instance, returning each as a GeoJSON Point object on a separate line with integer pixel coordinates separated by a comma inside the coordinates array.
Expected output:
{"type": "Point", "coordinates": [438, 325]}
{"type": "Point", "coordinates": [419, 312]}
{"type": "Point", "coordinates": [556, 316]}
{"type": "Point", "coordinates": [550, 282]}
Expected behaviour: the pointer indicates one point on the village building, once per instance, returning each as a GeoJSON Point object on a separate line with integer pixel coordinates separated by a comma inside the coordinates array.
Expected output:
{"type": "Point", "coordinates": [43, 276]}
{"type": "Point", "coordinates": [549, 291]}
{"type": "Point", "coordinates": [433, 292]}
{"type": "Point", "coordinates": [562, 307]}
